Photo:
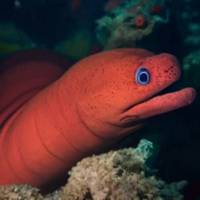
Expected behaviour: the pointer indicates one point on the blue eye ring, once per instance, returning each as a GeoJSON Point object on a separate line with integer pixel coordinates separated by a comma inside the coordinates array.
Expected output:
{"type": "Point", "coordinates": [142, 76]}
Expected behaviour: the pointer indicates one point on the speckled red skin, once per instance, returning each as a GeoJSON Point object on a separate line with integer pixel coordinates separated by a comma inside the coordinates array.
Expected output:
{"type": "Point", "coordinates": [94, 104]}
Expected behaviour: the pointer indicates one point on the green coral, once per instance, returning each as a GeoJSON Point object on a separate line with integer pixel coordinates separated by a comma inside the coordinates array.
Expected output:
{"type": "Point", "coordinates": [77, 46]}
{"type": "Point", "coordinates": [12, 39]}
{"type": "Point", "coordinates": [191, 69]}
{"type": "Point", "coordinates": [118, 29]}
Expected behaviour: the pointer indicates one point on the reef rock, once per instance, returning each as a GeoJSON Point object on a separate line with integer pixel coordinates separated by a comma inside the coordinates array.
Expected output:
{"type": "Point", "coordinates": [119, 175]}
{"type": "Point", "coordinates": [116, 175]}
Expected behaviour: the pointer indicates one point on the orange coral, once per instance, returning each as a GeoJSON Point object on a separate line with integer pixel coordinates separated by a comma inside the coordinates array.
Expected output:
{"type": "Point", "coordinates": [140, 21]}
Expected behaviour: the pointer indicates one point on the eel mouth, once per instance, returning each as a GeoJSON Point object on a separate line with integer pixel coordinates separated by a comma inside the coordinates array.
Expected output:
{"type": "Point", "coordinates": [159, 104]}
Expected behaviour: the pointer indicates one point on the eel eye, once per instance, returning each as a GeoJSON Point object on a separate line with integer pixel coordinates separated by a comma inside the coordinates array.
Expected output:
{"type": "Point", "coordinates": [142, 76]}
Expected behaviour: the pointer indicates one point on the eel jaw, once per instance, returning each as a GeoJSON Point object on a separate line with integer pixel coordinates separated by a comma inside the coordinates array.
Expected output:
{"type": "Point", "coordinates": [159, 104]}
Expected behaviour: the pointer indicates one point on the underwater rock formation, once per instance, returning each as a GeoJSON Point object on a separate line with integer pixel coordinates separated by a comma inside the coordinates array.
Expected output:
{"type": "Point", "coordinates": [26, 192]}
{"type": "Point", "coordinates": [129, 22]}
{"type": "Point", "coordinates": [19, 192]}
{"type": "Point", "coordinates": [118, 175]}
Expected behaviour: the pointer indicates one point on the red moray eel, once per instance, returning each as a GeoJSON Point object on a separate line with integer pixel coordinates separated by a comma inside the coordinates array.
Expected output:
{"type": "Point", "coordinates": [51, 119]}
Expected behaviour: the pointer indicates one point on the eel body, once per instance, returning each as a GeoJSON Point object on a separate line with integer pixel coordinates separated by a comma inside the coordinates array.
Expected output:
{"type": "Point", "coordinates": [50, 119]}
